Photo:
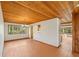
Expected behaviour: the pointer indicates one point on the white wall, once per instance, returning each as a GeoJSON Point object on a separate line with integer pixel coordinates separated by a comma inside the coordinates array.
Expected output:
{"type": "Point", "coordinates": [1, 31]}
{"type": "Point", "coordinates": [13, 36]}
{"type": "Point", "coordinates": [49, 32]}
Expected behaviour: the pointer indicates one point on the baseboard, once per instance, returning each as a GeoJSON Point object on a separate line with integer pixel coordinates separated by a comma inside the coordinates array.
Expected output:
{"type": "Point", "coordinates": [17, 39]}
{"type": "Point", "coordinates": [48, 44]}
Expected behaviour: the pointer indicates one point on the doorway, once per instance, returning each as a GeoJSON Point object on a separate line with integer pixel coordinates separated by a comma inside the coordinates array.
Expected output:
{"type": "Point", "coordinates": [66, 37]}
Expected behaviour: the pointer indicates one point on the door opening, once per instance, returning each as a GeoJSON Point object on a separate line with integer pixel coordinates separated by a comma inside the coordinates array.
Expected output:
{"type": "Point", "coordinates": [66, 36]}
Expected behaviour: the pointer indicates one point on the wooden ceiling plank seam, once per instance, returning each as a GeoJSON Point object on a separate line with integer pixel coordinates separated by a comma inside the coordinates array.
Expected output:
{"type": "Point", "coordinates": [32, 9]}
{"type": "Point", "coordinates": [51, 11]}
{"type": "Point", "coordinates": [50, 7]}
{"type": "Point", "coordinates": [54, 6]}
{"type": "Point", "coordinates": [64, 12]}
{"type": "Point", "coordinates": [69, 9]}
{"type": "Point", "coordinates": [63, 8]}
{"type": "Point", "coordinates": [59, 9]}
{"type": "Point", "coordinates": [46, 8]}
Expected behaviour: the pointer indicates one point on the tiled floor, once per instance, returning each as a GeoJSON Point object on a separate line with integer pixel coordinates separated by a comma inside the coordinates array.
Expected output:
{"type": "Point", "coordinates": [29, 47]}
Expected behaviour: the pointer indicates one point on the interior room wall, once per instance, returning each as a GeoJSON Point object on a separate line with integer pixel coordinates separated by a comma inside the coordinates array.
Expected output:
{"type": "Point", "coordinates": [48, 31]}
{"type": "Point", "coordinates": [14, 36]}
{"type": "Point", "coordinates": [1, 31]}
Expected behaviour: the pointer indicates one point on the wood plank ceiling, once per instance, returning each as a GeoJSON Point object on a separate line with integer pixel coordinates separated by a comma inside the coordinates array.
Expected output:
{"type": "Point", "coordinates": [28, 12]}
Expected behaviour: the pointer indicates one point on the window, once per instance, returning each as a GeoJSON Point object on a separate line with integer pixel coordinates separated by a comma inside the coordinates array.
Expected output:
{"type": "Point", "coordinates": [17, 29]}
{"type": "Point", "coordinates": [66, 30]}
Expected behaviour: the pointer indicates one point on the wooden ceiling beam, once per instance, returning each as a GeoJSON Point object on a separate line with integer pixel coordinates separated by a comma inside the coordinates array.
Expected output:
{"type": "Point", "coordinates": [64, 11]}
{"type": "Point", "coordinates": [26, 6]}
{"type": "Point", "coordinates": [66, 22]}
{"type": "Point", "coordinates": [59, 9]}
{"type": "Point", "coordinates": [48, 7]}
